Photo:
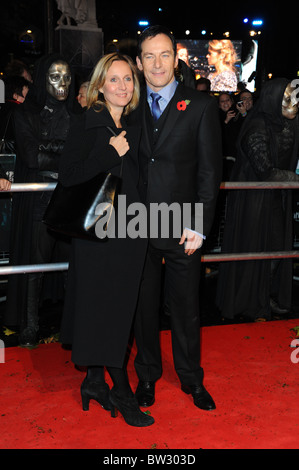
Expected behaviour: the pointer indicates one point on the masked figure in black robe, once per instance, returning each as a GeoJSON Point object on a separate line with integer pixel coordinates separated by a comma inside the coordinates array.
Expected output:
{"type": "Point", "coordinates": [261, 220]}
{"type": "Point", "coordinates": [41, 127]}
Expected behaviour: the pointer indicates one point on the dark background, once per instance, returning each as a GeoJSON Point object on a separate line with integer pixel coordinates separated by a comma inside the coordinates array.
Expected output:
{"type": "Point", "coordinates": [278, 41]}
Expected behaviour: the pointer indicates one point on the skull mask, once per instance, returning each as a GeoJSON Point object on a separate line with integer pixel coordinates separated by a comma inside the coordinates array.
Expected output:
{"type": "Point", "coordinates": [289, 102]}
{"type": "Point", "coordinates": [58, 80]}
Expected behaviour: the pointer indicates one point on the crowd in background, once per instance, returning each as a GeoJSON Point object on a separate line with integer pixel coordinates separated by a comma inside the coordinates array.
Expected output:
{"type": "Point", "coordinates": [234, 110]}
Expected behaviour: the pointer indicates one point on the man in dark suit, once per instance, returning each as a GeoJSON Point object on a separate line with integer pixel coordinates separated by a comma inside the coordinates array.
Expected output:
{"type": "Point", "coordinates": [180, 162]}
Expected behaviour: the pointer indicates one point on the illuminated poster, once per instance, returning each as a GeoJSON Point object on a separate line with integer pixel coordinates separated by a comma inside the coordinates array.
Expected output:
{"type": "Point", "coordinates": [219, 60]}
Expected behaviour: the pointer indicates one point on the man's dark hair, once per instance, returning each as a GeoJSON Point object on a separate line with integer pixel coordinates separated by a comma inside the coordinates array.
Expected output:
{"type": "Point", "coordinates": [153, 31]}
{"type": "Point", "coordinates": [204, 81]}
{"type": "Point", "coordinates": [16, 67]}
{"type": "Point", "coordinates": [14, 85]}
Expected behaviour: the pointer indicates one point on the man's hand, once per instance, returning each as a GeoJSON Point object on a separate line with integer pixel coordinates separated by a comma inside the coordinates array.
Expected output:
{"type": "Point", "coordinates": [193, 241]}
{"type": "Point", "coordinates": [241, 108]}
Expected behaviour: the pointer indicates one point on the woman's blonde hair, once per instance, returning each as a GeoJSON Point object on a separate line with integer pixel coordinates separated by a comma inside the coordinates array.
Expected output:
{"type": "Point", "coordinates": [96, 99]}
{"type": "Point", "coordinates": [226, 48]}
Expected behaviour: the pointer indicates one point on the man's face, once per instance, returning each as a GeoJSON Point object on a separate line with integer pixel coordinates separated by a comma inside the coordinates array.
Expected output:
{"type": "Point", "coordinates": [289, 103]}
{"type": "Point", "coordinates": [157, 61]}
{"type": "Point", "coordinates": [58, 80]}
{"type": "Point", "coordinates": [247, 100]}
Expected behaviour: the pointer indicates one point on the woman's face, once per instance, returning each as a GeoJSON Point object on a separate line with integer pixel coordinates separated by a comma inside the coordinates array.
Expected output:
{"type": "Point", "coordinates": [82, 95]}
{"type": "Point", "coordinates": [212, 57]}
{"type": "Point", "coordinates": [183, 55]}
{"type": "Point", "coordinates": [289, 104]}
{"type": "Point", "coordinates": [119, 85]}
{"type": "Point", "coordinates": [225, 102]}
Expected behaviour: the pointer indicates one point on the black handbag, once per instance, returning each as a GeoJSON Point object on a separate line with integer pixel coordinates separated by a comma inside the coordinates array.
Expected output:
{"type": "Point", "coordinates": [72, 210]}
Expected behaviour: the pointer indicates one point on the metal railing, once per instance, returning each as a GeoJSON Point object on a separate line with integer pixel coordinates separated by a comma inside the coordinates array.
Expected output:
{"type": "Point", "coordinates": [20, 187]}
{"type": "Point", "coordinates": [26, 187]}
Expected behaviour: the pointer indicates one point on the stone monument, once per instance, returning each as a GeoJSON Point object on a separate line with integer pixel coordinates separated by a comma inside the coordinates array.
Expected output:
{"type": "Point", "coordinates": [79, 38]}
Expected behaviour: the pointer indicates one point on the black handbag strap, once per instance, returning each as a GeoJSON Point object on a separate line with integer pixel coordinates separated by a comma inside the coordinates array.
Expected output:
{"type": "Point", "coordinates": [2, 142]}
{"type": "Point", "coordinates": [6, 125]}
{"type": "Point", "coordinates": [115, 135]}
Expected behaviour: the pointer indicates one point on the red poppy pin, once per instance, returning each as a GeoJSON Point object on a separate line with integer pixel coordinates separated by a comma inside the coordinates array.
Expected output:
{"type": "Point", "coordinates": [182, 105]}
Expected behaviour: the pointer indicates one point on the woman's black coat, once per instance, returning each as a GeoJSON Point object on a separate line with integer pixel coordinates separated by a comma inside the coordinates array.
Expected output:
{"type": "Point", "coordinates": [104, 276]}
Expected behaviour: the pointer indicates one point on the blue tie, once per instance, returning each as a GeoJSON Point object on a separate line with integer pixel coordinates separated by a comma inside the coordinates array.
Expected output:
{"type": "Point", "coordinates": [156, 111]}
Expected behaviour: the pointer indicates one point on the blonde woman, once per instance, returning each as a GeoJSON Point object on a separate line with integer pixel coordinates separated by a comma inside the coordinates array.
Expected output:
{"type": "Point", "coordinates": [222, 57]}
{"type": "Point", "coordinates": [104, 275]}
{"type": "Point", "coordinates": [183, 53]}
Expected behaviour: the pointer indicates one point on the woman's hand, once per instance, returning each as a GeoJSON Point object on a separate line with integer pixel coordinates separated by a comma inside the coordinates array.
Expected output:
{"type": "Point", "coordinates": [229, 115]}
{"type": "Point", "coordinates": [4, 184]}
{"type": "Point", "coordinates": [120, 143]}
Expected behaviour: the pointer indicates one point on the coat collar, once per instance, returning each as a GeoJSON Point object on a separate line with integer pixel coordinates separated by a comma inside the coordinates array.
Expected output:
{"type": "Point", "coordinates": [98, 118]}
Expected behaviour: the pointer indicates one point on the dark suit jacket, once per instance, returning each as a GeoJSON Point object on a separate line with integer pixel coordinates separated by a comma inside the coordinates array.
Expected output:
{"type": "Point", "coordinates": [180, 155]}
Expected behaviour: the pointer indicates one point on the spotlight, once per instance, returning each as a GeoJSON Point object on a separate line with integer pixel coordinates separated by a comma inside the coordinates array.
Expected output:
{"type": "Point", "coordinates": [257, 22]}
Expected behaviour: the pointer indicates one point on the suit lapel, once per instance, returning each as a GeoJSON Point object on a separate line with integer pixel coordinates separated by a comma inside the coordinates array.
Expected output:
{"type": "Point", "coordinates": [146, 123]}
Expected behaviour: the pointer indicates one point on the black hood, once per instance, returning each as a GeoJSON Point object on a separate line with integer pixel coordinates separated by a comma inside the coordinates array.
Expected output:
{"type": "Point", "coordinates": [266, 115]}
{"type": "Point", "coordinates": [269, 104]}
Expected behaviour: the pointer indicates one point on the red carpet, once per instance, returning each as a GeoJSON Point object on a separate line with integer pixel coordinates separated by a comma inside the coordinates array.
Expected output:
{"type": "Point", "coordinates": [248, 371]}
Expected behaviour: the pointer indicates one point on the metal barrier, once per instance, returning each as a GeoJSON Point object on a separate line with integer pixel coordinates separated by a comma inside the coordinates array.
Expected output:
{"type": "Point", "coordinates": [20, 187]}
{"type": "Point", "coordinates": [24, 187]}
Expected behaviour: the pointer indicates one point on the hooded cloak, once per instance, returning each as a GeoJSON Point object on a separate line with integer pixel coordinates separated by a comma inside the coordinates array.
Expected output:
{"type": "Point", "coordinates": [41, 127]}
{"type": "Point", "coordinates": [260, 220]}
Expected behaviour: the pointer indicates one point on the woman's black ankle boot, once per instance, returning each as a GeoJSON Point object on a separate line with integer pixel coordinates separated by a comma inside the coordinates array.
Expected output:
{"type": "Point", "coordinates": [95, 391]}
{"type": "Point", "coordinates": [128, 406]}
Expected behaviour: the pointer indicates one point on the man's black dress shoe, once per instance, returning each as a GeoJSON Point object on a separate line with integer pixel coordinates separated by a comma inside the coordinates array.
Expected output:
{"type": "Point", "coordinates": [28, 338]}
{"type": "Point", "coordinates": [275, 308]}
{"type": "Point", "coordinates": [201, 397]}
{"type": "Point", "coordinates": [145, 393]}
